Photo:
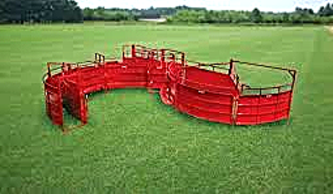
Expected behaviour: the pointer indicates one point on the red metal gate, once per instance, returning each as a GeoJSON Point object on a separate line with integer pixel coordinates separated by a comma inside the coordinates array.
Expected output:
{"type": "Point", "coordinates": [208, 91]}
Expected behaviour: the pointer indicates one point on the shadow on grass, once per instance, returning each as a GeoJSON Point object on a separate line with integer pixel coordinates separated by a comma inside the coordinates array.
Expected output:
{"type": "Point", "coordinates": [97, 94]}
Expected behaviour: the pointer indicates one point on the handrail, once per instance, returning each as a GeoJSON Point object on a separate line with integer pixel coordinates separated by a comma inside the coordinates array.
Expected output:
{"type": "Point", "coordinates": [266, 66]}
{"type": "Point", "coordinates": [145, 48]}
{"type": "Point", "coordinates": [70, 73]}
{"type": "Point", "coordinates": [154, 49]}
{"type": "Point", "coordinates": [210, 85]}
{"type": "Point", "coordinates": [219, 65]}
{"type": "Point", "coordinates": [292, 73]}
{"type": "Point", "coordinates": [99, 58]}
{"type": "Point", "coordinates": [268, 88]}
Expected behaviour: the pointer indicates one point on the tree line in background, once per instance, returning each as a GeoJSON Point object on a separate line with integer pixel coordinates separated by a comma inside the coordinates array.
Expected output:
{"type": "Point", "coordinates": [40, 11]}
{"type": "Point", "coordinates": [184, 14]}
{"type": "Point", "coordinates": [35, 11]}
{"type": "Point", "coordinates": [299, 16]}
{"type": "Point", "coordinates": [117, 14]}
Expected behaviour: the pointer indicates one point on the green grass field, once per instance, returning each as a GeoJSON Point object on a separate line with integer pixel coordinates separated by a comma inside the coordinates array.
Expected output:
{"type": "Point", "coordinates": [135, 144]}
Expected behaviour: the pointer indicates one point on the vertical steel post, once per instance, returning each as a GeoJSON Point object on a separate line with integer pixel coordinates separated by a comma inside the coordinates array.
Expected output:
{"type": "Point", "coordinates": [60, 102]}
{"type": "Point", "coordinates": [49, 69]}
{"type": "Point", "coordinates": [293, 74]}
{"type": "Point", "coordinates": [231, 66]}
{"type": "Point", "coordinates": [183, 59]}
{"type": "Point", "coordinates": [277, 102]}
{"type": "Point", "coordinates": [162, 59]}
{"type": "Point", "coordinates": [234, 110]}
{"type": "Point", "coordinates": [163, 55]}
{"type": "Point", "coordinates": [124, 47]}
{"type": "Point", "coordinates": [172, 57]}
{"type": "Point", "coordinates": [183, 65]}
{"type": "Point", "coordinates": [133, 51]}
{"type": "Point", "coordinates": [258, 106]}
{"type": "Point", "coordinates": [237, 84]}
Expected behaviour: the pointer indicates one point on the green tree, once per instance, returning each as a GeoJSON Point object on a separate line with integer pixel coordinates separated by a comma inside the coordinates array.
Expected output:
{"type": "Point", "coordinates": [88, 14]}
{"type": "Point", "coordinates": [285, 18]}
{"type": "Point", "coordinates": [256, 16]}
{"type": "Point", "coordinates": [2, 12]}
{"type": "Point", "coordinates": [326, 11]}
{"type": "Point", "coordinates": [20, 11]}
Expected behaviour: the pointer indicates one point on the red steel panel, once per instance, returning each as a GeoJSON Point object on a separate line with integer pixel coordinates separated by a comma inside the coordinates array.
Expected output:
{"type": "Point", "coordinates": [53, 101]}
{"type": "Point", "coordinates": [201, 93]}
{"type": "Point", "coordinates": [74, 100]}
{"type": "Point", "coordinates": [203, 114]}
{"type": "Point", "coordinates": [258, 109]}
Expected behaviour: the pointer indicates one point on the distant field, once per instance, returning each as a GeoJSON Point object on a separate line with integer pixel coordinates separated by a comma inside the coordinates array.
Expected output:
{"type": "Point", "coordinates": [135, 144]}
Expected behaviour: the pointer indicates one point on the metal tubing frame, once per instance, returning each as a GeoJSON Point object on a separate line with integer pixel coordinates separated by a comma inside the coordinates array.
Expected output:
{"type": "Point", "coordinates": [292, 73]}
{"type": "Point", "coordinates": [100, 58]}
{"type": "Point", "coordinates": [65, 129]}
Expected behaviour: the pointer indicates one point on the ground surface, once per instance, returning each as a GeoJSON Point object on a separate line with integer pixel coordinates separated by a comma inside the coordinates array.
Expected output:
{"type": "Point", "coordinates": [133, 143]}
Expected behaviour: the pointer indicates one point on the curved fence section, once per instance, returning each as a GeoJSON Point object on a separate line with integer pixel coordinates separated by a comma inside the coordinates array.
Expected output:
{"type": "Point", "coordinates": [258, 109]}
{"type": "Point", "coordinates": [209, 91]}
{"type": "Point", "coordinates": [53, 100]}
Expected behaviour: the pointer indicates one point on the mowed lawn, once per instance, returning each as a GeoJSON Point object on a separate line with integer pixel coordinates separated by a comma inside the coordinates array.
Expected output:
{"type": "Point", "coordinates": [135, 144]}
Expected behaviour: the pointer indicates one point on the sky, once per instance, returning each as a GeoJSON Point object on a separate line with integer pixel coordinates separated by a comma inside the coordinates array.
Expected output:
{"type": "Point", "coordinates": [263, 5]}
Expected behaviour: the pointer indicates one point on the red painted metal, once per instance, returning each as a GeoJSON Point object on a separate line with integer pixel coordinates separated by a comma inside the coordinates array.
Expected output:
{"type": "Point", "coordinates": [198, 89]}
